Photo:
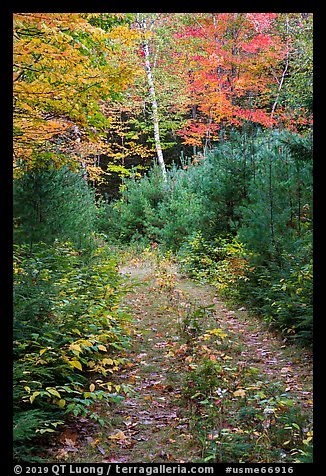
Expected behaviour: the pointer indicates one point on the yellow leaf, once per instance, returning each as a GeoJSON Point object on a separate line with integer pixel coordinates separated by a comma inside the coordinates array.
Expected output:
{"type": "Point", "coordinates": [102, 347]}
{"type": "Point", "coordinates": [306, 441]}
{"type": "Point", "coordinates": [75, 347]}
{"type": "Point", "coordinates": [92, 387]}
{"type": "Point", "coordinates": [42, 351]}
{"type": "Point", "coordinates": [53, 391]}
{"type": "Point", "coordinates": [118, 436]}
{"type": "Point", "coordinates": [239, 393]}
{"type": "Point", "coordinates": [96, 442]}
{"type": "Point", "coordinates": [32, 397]}
{"type": "Point", "coordinates": [61, 403]}
{"type": "Point", "coordinates": [86, 342]}
{"type": "Point", "coordinates": [76, 363]}
{"type": "Point", "coordinates": [217, 332]}
{"type": "Point", "coordinates": [107, 361]}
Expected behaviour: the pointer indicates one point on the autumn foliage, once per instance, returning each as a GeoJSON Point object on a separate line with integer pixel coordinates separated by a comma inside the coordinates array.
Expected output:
{"type": "Point", "coordinates": [232, 64]}
{"type": "Point", "coordinates": [64, 68]}
{"type": "Point", "coordinates": [80, 87]}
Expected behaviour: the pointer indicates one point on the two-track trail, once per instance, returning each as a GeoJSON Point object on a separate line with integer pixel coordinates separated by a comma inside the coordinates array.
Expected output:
{"type": "Point", "coordinates": [150, 424]}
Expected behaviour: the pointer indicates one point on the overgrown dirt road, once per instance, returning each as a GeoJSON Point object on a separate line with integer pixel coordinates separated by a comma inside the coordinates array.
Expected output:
{"type": "Point", "coordinates": [156, 423]}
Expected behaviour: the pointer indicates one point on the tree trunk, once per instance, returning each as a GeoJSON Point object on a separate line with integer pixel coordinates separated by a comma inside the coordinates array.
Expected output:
{"type": "Point", "coordinates": [153, 101]}
{"type": "Point", "coordinates": [281, 81]}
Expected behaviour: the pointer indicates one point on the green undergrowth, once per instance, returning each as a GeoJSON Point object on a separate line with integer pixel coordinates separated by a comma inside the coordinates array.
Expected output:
{"type": "Point", "coordinates": [70, 333]}
{"type": "Point", "coordinates": [280, 295]}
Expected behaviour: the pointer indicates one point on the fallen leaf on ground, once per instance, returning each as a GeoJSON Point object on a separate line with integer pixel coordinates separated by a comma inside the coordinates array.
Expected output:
{"type": "Point", "coordinates": [239, 393]}
{"type": "Point", "coordinates": [119, 435]}
{"type": "Point", "coordinates": [101, 450]}
{"type": "Point", "coordinates": [285, 370]}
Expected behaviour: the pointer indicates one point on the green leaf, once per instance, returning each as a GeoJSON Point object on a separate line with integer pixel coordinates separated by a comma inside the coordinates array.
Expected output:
{"type": "Point", "coordinates": [196, 395]}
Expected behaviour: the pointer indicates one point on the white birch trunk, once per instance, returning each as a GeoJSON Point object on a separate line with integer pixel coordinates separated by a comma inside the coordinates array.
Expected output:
{"type": "Point", "coordinates": [280, 84]}
{"type": "Point", "coordinates": [154, 104]}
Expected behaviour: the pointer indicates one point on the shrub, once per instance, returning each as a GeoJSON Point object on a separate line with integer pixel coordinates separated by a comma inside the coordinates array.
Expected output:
{"type": "Point", "coordinates": [221, 262]}
{"type": "Point", "coordinates": [53, 204]}
{"type": "Point", "coordinates": [152, 210]}
{"type": "Point", "coordinates": [68, 328]}
{"type": "Point", "coordinates": [277, 214]}
{"type": "Point", "coordinates": [180, 212]}
{"type": "Point", "coordinates": [283, 297]}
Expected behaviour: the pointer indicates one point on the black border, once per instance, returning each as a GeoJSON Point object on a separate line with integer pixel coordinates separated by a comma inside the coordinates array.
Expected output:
{"type": "Point", "coordinates": [6, 179]}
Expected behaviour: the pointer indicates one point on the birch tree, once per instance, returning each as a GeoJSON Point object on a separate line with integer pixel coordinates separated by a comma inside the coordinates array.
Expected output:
{"type": "Point", "coordinates": [145, 28]}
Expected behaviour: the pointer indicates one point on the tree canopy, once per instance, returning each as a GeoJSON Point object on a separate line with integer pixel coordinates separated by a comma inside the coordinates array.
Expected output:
{"type": "Point", "coordinates": [81, 83]}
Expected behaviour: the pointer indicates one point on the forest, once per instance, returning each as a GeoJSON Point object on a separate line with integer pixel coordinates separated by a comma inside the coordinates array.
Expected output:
{"type": "Point", "coordinates": [162, 226]}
